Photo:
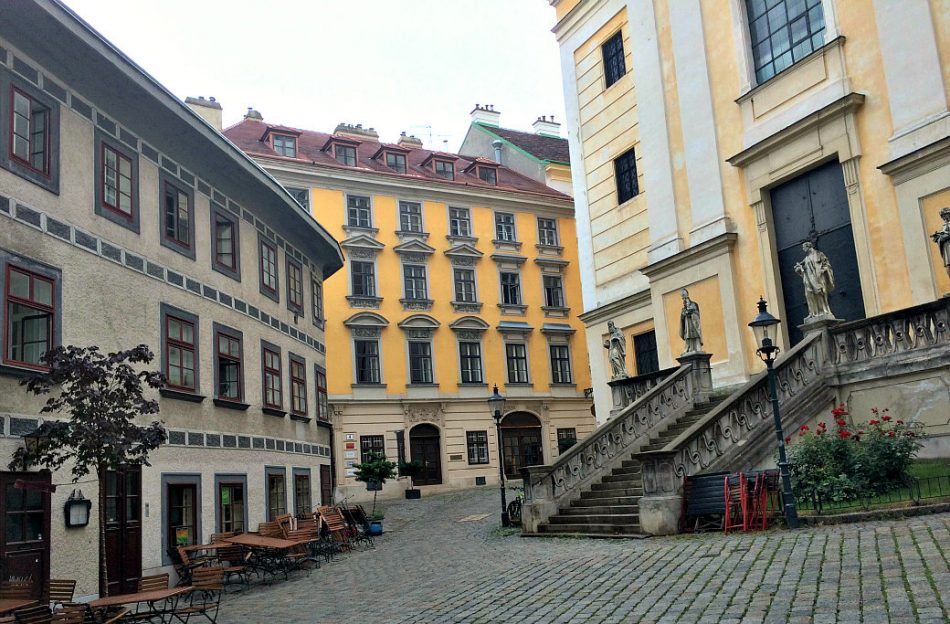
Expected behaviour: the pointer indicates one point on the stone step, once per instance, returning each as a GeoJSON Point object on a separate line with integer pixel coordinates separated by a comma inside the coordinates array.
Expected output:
{"type": "Point", "coordinates": [596, 518]}
{"type": "Point", "coordinates": [627, 470]}
{"type": "Point", "coordinates": [567, 534]}
{"type": "Point", "coordinates": [599, 510]}
{"type": "Point", "coordinates": [596, 501]}
{"type": "Point", "coordinates": [590, 529]}
{"type": "Point", "coordinates": [605, 492]}
{"type": "Point", "coordinates": [629, 463]}
{"type": "Point", "coordinates": [622, 478]}
{"type": "Point", "coordinates": [630, 484]}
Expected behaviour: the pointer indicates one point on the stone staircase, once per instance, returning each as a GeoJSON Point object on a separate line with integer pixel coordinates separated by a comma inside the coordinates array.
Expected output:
{"type": "Point", "coordinates": [610, 507]}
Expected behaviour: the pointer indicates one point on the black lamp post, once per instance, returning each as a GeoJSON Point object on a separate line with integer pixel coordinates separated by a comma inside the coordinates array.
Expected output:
{"type": "Point", "coordinates": [765, 328]}
{"type": "Point", "coordinates": [496, 405]}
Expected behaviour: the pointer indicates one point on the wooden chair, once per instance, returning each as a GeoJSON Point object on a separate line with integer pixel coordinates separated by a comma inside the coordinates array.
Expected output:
{"type": "Point", "coordinates": [17, 587]}
{"type": "Point", "coordinates": [184, 565]}
{"type": "Point", "coordinates": [40, 614]}
{"type": "Point", "coordinates": [271, 529]}
{"type": "Point", "coordinates": [59, 591]}
{"type": "Point", "coordinates": [72, 613]}
{"type": "Point", "coordinates": [735, 491]}
{"type": "Point", "coordinates": [153, 582]}
{"type": "Point", "coordinates": [236, 562]}
{"type": "Point", "coordinates": [207, 587]}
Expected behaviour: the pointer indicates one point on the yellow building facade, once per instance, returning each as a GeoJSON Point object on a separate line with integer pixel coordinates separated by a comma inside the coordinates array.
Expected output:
{"type": "Point", "coordinates": [710, 139]}
{"type": "Point", "coordinates": [460, 274]}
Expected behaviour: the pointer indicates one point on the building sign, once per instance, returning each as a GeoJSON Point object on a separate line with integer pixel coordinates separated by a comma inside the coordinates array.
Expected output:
{"type": "Point", "coordinates": [182, 536]}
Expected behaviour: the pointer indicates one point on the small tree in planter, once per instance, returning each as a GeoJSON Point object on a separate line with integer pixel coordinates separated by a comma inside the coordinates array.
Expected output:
{"type": "Point", "coordinates": [411, 469]}
{"type": "Point", "coordinates": [374, 473]}
{"type": "Point", "coordinates": [102, 395]}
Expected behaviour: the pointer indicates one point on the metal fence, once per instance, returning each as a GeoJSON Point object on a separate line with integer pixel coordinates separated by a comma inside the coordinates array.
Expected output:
{"type": "Point", "coordinates": [915, 491]}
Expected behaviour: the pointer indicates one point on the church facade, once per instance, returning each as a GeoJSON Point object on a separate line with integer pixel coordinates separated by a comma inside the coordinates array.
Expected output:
{"type": "Point", "coordinates": [796, 151]}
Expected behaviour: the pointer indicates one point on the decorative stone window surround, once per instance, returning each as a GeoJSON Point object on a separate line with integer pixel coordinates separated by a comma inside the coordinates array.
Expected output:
{"type": "Point", "coordinates": [470, 329]}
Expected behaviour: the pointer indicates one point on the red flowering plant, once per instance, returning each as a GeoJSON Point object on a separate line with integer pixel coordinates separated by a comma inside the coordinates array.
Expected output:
{"type": "Point", "coordinates": [850, 463]}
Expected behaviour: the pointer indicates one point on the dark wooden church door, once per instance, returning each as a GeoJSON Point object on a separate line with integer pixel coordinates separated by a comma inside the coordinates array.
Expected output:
{"type": "Point", "coordinates": [814, 207]}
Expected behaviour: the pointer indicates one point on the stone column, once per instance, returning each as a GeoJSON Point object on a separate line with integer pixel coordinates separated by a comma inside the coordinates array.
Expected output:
{"type": "Point", "coordinates": [700, 374]}
{"type": "Point", "coordinates": [662, 501]}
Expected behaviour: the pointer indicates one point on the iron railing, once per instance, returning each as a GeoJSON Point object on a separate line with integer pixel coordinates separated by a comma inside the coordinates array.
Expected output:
{"type": "Point", "coordinates": [916, 491]}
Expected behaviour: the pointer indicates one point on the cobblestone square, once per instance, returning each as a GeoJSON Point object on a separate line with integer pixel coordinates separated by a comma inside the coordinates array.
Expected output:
{"type": "Point", "coordinates": [430, 566]}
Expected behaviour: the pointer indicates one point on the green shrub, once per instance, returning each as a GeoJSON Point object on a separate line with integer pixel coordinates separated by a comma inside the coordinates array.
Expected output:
{"type": "Point", "coordinates": [843, 462]}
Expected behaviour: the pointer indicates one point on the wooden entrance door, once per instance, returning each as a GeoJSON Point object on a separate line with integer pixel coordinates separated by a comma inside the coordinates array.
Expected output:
{"type": "Point", "coordinates": [326, 485]}
{"type": "Point", "coordinates": [814, 207]}
{"type": "Point", "coordinates": [24, 528]}
{"type": "Point", "coordinates": [123, 523]}
{"type": "Point", "coordinates": [424, 447]}
{"type": "Point", "coordinates": [521, 443]}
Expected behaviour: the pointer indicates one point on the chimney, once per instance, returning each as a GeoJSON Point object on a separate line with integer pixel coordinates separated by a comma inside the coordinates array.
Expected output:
{"type": "Point", "coordinates": [253, 114]}
{"type": "Point", "coordinates": [546, 126]}
{"type": "Point", "coordinates": [409, 142]}
{"type": "Point", "coordinates": [497, 145]}
{"type": "Point", "coordinates": [357, 132]}
{"type": "Point", "coordinates": [209, 109]}
{"type": "Point", "coordinates": [486, 115]}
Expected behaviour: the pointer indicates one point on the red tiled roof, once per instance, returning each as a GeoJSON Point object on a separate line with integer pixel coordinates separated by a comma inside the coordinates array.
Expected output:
{"type": "Point", "coordinates": [540, 146]}
{"type": "Point", "coordinates": [248, 133]}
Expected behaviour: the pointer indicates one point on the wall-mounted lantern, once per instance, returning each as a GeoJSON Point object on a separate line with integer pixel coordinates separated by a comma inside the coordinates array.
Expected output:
{"type": "Point", "coordinates": [77, 510]}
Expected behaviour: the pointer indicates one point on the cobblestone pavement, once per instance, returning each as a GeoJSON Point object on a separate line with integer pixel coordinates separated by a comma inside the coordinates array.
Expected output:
{"type": "Point", "coordinates": [432, 567]}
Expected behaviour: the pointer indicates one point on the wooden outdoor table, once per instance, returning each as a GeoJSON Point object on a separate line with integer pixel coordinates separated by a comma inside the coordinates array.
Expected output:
{"type": "Point", "coordinates": [12, 604]}
{"type": "Point", "coordinates": [147, 597]}
{"type": "Point", "coordinates": [253, 540]}
{"type": "Point", "coordinates": [269, 554]}
{"type": "Point", "coordinates": [200, 547]}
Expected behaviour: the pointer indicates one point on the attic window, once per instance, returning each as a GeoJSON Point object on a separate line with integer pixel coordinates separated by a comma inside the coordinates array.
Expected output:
{"type": "Point", "coordinates": [396, 162]}
{"type": "Point", "coordinates": [488, 174]}
{"type": "Point", "coordinates": [445, 169]}
{"type": "Point", "coordinates": [345, 155]}
{"type": "Point", "coordinates": [285, 145]}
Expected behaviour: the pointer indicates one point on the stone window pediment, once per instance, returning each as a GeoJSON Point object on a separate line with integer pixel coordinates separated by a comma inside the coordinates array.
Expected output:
{"type": "Point", "coordinates": [366, 324]}
{"type": "Point", "coordinates": [414, 251]}
{"type": "Point", "coordinates": [514, 331]}
{"type": "Point", "coordinates": [463, 255]}
{"type": "Point", "coordinates": [469, 324]}
{"type": "Point", "coordinates": [419, 326]}
{"type": "Point", "coordinates": [551, 266]}
{"type": "Point", "coordinates": [362, 246]}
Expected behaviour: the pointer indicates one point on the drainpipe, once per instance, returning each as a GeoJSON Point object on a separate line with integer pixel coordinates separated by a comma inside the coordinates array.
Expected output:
{"type": "Point", "coordinates": [497, 145]}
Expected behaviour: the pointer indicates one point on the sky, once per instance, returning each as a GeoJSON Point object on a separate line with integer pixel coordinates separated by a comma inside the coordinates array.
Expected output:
{"type": "Point", "coordinates": [417, 66]}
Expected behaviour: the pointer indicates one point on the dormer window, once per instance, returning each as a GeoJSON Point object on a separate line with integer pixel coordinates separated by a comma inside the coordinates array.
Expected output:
{"type": "Point", "coordinates": [488, 174]}
{"type": "Point", "coordinates": [345, 155]}
{"type": "Point", "coordinates": [285, 145]}
{"type": "Point", "coordinates": [445, 169]}
{"type": "Point", "coordinates": [396, 162]}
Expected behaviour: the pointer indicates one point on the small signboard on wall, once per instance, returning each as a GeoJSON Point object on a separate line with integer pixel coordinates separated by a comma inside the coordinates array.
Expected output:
{"type": "Point", "coordinates": [350, 472]}
{"type": "Point", "coordinates": [182, 536]}
{"type": "Point", "coordinates": [349, 436]}
{"type": "Point", "coordinates": [350, 454]}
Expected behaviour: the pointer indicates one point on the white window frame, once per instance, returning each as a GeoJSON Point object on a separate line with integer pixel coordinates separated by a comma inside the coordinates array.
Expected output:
{"type": "Point", "coordinates": [481, 360]}
{"type": "Point", "coordinates": [514, 227]}
{"type": "Point", "coordinates": [379, 356]}
{"type": "Point", "coordinates": [432, 366]}
{"type": "Point", "coordinates": [346, 212]}
{"type": "Point", "coordinates": [349, 274]}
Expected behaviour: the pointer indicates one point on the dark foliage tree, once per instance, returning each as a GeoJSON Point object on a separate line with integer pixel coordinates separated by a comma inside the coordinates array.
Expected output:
{"type": "Point", "coordinates": [101, 395]}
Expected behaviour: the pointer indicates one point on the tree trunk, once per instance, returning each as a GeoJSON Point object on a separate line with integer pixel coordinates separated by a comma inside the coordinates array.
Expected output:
{"type": "Point", "coordinates": [103, 564]}
{"type": "Point", "coordinates": [373, 513]}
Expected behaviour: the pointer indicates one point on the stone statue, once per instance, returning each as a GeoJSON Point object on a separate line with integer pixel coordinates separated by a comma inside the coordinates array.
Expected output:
{"type": "Point", "coordinates": [616, 345]}
{"type": "Point", "coordinates": [815, 270]}
{"type": "Point", "coordinates": [942, 238]}
{"type": "Point", "coordinates": [690, 330]}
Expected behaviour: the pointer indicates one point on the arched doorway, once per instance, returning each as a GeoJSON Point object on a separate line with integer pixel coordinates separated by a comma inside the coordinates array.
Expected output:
{"type": "Point", "coordinates": [521, 441]}
{"type": "Point", "coordinates": [424, 447]}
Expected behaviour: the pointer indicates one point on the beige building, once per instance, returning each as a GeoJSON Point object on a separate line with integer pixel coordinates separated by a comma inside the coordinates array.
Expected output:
{"type": "Point", "coordinates": [709, 140]}
{"type": "Point", "coordinates": [127, 219]}
{"type": "Point", "coordinates": [461, 274]}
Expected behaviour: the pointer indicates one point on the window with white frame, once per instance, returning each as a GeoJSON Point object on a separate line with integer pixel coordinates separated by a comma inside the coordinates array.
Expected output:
{"type": "Point", "coordinates": [505, 227]}
{"type": "Point", "coordinates": [363, 278]}
{"type": "Point", "coordinates": [547, 232]}
{"type": "Point", "coordinates": [358, 212]}
{"type": "Point", "coordinates": [285, 145]}
{"type": "Point", "coordinates": [553, 291]}
{"type": "Point", "coordinates": [414, 277]}
{"type": "Point", "coordinates": [510, 288]}
{"type": "Point", "coordinates": [470, 361]}
{"type": "Point", "coordinates": [560, 364]}
{"type": "Point", "coordinates": [477, 443]}
{"type": "Point", "coordinates": [367, 361]}
{"type": "Point", "coordinates": [516, 357]}
{"type": "Point", "coordinates": [410, 216]}
{"type": "Point", "coordinates": [460, 222]}
{"type": "Point", "coordinates": [420, 362]}
{"type": "Point", "coordinates": [465, 285]}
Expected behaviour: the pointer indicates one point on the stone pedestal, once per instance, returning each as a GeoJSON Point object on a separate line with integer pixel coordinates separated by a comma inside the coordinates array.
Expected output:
{"type": "Point", "coordinates": [818, 324]}
{"type": "Point", "coordinates": [660, 515]}
{"type": "Point", "coordinates": [700, 374]}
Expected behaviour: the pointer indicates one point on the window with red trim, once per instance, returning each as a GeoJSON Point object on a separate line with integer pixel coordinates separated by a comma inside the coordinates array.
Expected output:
{"type": "Point", "coordinates": [317, 300]}
{"type": "Point", "coordinates": [29, 300]}
{"type": "Point", "coordinates": [29, 132]}
{"type": "Point", "coordinates": [272, 385]}
{"type": "Point", "coordinates": [229, 368]}
{"type": "Point", "coordinates": [177, 216]}
{"type": "Point", "coordinates": [294, 287]}
{"type": "Point", "coordinates": [182, 353]}
{"type": "Point", "coordinates": [268, 267]}
{"type": "Point", "coordinates": [298, 387]}
{"type": "Point", "coordinates": [285, 145]}
{"type": "Point", "coordinates": [116, 181]}
{"type": "Point", "coordinates": [323, 405]}
{"type": "Point", "coordinates": [224, 242]}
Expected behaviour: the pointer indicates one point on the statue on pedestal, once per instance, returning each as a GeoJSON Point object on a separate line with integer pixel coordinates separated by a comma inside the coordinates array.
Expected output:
{"type": "Point", "coordinates": [942, 238]}
{"type": "Point", "coordinates": [616, 345]}
{"type": "Point", "coordinates": [815, 271]}
{"type": "Point", "coordinates": [690, 330]}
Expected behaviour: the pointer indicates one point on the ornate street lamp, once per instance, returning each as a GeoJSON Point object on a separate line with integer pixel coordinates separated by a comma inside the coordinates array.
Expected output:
{"type": "Point", "coordinates": [496, 405]}
{"type": "Point", "coordinates": [765, 328]}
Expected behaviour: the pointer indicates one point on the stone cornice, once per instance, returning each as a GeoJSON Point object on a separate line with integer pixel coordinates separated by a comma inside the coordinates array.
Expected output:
{"type": "Point", "coordinates": [691, 257]}
{"type": "Point", "coordinates": [918, 162]}
{"type": "Point", "coordinates": [609, 310]}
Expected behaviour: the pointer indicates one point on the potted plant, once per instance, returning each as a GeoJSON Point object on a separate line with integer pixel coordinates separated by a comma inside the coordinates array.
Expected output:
{"type": "Point", "coordinates": [411, 469]}
{"type": "Point", "coordinates": [374, 472]}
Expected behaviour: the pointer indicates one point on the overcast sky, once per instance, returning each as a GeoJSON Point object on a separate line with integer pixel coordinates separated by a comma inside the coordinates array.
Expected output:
{"type": "Point", "coordinates": [413, 65]}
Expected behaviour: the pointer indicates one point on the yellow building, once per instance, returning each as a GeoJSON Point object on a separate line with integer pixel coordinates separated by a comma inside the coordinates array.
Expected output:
{"type": "Point", "coordinates": [709, 140]}
{"type": "Point", "coordinates": [460, 274]}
